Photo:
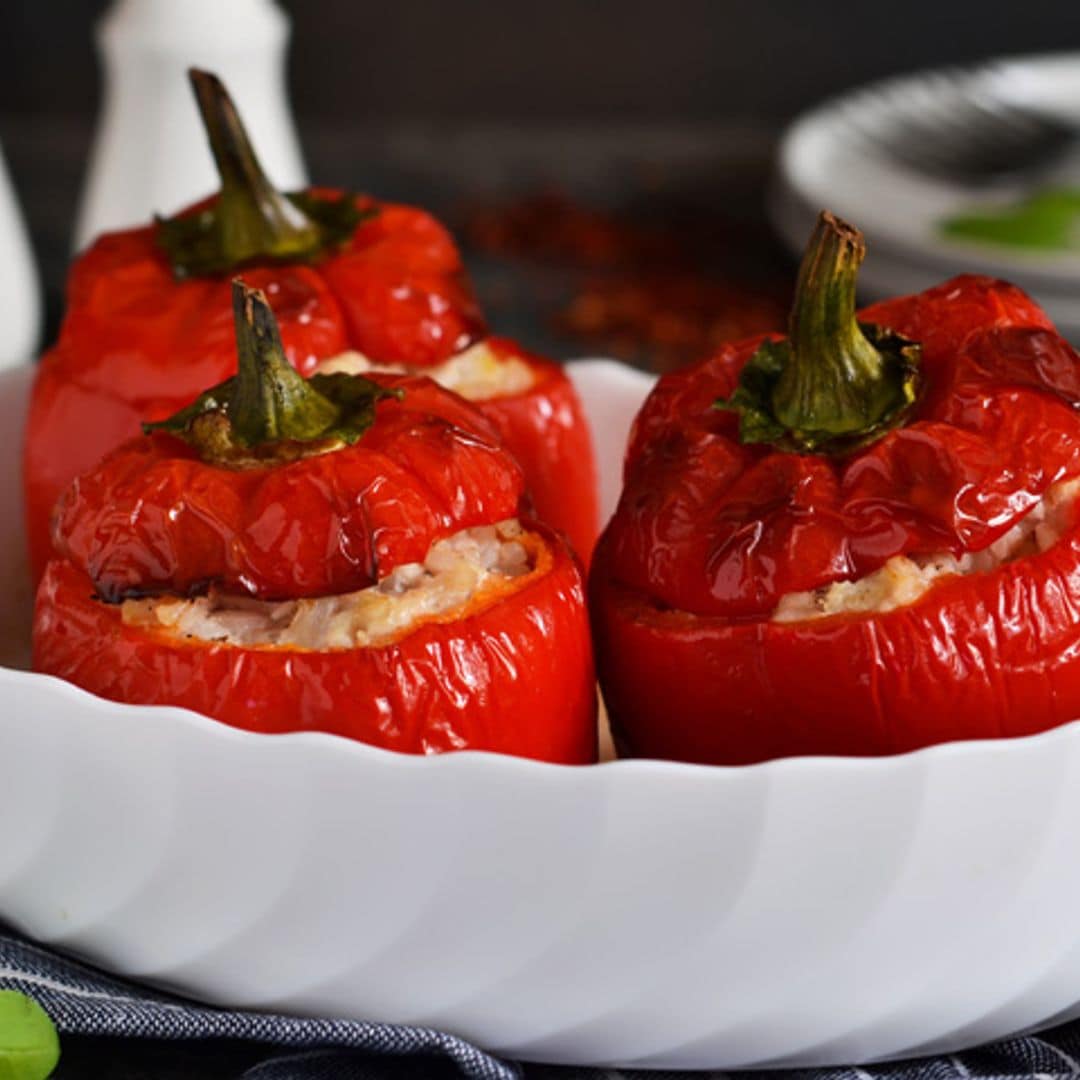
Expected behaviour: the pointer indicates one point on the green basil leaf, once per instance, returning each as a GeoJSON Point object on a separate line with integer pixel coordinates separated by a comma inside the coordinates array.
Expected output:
{"type": "Point", "coordinates": [29, 1045]}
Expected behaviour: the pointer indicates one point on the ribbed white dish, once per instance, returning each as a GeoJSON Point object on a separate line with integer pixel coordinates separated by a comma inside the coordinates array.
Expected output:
{"type": "Point", "coordinates": [805, 911]}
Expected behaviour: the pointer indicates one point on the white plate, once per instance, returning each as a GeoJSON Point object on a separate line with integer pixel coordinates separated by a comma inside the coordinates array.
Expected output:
{"type": "Point", "coordinates": [825, 162]}
{"type": "Point", "coordinates": [806, 911]}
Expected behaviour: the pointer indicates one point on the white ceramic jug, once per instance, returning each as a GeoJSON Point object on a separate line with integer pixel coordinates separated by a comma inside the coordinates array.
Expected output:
{"type": "Point", "coordinates": [20, 296]}
{"type": "Point", "coordinates": [150, 154]}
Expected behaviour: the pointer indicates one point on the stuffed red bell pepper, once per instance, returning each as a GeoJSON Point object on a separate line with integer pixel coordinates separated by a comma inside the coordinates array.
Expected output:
{"type": "Point", "coordinates": [341, 554]}
{"type": "Point", "coordinates": [147, 326]}
{"type": "Point", "coordinates": [857, 540]}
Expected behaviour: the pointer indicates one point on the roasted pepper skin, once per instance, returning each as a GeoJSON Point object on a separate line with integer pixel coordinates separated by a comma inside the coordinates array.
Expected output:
{"type": "Point", "coordinates": [136, 344]}
{"type": "Point", "coordinates": [514, 677]}
{"type": "Point", "coordinates": [174, 513]}
{"type": "Point", "coordinates": [154, 517]}
{"type": "Point", "coordinates": [546, 429]}
{"type": "Point", "coordinates": [710, 533]}
{"type": "Point", "coordinates": [988, 657]}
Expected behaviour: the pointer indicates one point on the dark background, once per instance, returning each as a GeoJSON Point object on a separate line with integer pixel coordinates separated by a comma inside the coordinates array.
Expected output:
{"type": "Point", "coordinates": [561, 61]}
{"type": "Point", "coordinates": [646, 109]}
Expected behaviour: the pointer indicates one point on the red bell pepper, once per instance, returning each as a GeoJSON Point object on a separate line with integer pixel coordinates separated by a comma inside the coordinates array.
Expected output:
{"type": "Point", "coordinates": [546, 428]}
{"type": "Point", "coordinates": [147, 324]}
{"type": "Point", "coordinates": [274, 488]}
{"type": "Point", "coordinates": [919, 433]}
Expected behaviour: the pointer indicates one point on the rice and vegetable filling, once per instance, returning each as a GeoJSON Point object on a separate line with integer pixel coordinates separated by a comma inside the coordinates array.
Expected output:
{"type": "Point", "coordinates": [904, 579]}
{"type": "Point", "coordinates": [477, 373]}
{"type": "Point", "coordinates": [458, 572]}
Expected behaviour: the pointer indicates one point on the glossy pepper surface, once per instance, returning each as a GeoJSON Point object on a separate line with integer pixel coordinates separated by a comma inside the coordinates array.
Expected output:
{"type": "Point", "coordinates": [727, 508]}
{"type": "Point", "coordinates": [343, 480]}
{"type": "Point", "coordinates": [155, 515]}
{"type": "Point", "coordinates": [546, 429]}
{"type": "Point", "coordinates": [148, 325]}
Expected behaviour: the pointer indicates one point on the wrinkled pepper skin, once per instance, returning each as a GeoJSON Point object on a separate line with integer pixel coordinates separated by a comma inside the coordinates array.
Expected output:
{"type": "Point", "coordinates": [982, 659]}
{"type": "Point", "coordinates": [515, 677]}
{"type": "Point", "coordinates": [511, 672]}
{"type": "Point", "coordinates": [153, 516]}
{"type": "Point", "coordinates": [137, 345]}
{"type": "Point", "coordinates": [547, 431]}
{"type": "Point", "coordinates": [711, 532]}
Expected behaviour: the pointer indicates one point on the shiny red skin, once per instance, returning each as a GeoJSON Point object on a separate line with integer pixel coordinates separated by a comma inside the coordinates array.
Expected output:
{"type": "Point", "coordinates": [546, 429]}
{"type": "Point", "coordinates": [513, 676]}
{"type": "Point", "coordinates": [709, 525]}
{"type": "Point", "coordinates": [153, 517]}
{"type": "Point", "coordinates": [709, 534]}
{"type": "Point", "coordinates": [988, 656]}
{"type": "Point", "coordinates": [136, 344]}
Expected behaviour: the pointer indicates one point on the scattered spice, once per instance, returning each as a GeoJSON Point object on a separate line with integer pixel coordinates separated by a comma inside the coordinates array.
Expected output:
{"type": "Point", "coordinates": [658, 286]}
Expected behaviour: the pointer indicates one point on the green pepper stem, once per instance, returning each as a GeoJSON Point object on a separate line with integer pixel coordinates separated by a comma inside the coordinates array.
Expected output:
{"type": "Point", "coordinates": [254, 218]}
{"type": "Point", "coordinates": [834, 382]}
{"type": "Point", "coordinates": [270, 400]}
{"type": "Point", "coordinates": [267, 409]}
{"type": "Point", "coordinates": [250, 221]}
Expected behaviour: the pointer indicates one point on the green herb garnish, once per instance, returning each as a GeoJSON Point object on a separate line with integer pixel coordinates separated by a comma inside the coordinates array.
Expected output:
{"type": "Point", "coordinates": [29, 1045]}
{"type": "Point", "coordinates": [1049, 220]}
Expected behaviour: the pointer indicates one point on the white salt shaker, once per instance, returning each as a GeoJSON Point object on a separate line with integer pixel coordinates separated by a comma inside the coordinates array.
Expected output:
{"type": "Point", "coordinates": [150, 154]}
{"type": "Point", "coordinates": [20, 291]}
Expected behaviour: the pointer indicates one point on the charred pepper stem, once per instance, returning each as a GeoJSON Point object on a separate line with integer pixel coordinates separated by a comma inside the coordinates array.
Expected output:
{"type": "Point", "coordinates": [834, 383]}
{"type": "Point", "coordinates": [251, 221]}
{"type": "Point", "coordinates": [268, 410]}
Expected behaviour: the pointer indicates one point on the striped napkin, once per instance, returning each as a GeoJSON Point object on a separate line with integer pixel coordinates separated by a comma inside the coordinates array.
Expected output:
{"type": "Point", "coordinates": [84, 1002]}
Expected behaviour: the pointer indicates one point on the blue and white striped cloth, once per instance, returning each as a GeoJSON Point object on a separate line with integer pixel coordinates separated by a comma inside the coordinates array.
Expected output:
{"type": "Point", "coordinates": [86, 1002]}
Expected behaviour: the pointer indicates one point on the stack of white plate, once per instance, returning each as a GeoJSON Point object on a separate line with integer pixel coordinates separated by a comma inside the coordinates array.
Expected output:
{"type": "Point", "coordinates": [838, 157]}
